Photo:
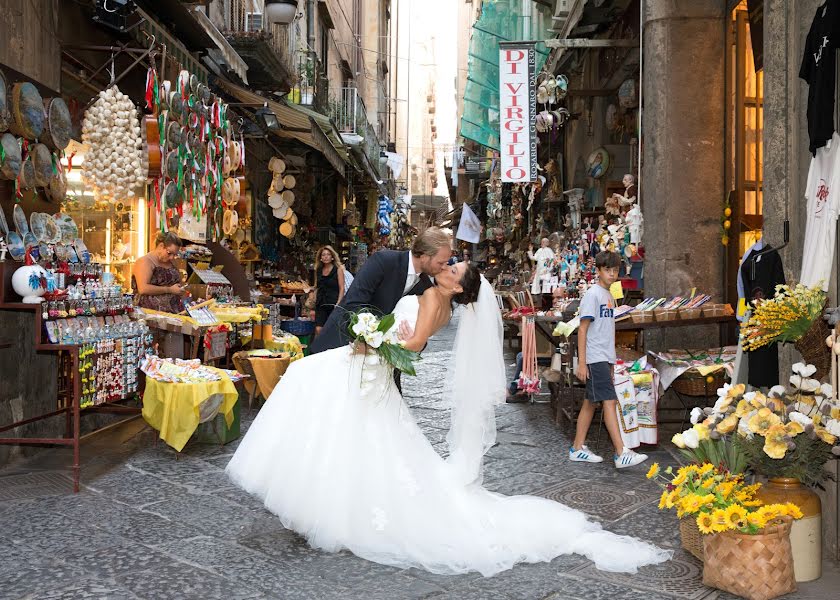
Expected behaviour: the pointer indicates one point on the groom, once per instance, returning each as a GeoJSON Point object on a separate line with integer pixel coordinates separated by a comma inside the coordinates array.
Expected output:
{"type": "Point", "coordinates": [387, 276]}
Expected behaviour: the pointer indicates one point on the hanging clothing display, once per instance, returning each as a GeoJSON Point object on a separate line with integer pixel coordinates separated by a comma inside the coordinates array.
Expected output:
{"type": "Point", "coordinates": [818, 69]}
{"type": "Point", "coordinates": [760, 273]}
{"type": "Point", "coordinates": [823, 195]}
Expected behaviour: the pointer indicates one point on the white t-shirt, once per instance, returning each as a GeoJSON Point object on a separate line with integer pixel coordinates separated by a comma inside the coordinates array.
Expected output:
{"type": "Point", "coordinates": [598, 306]}
{"type": "Point", "coordinates": [823, 195]}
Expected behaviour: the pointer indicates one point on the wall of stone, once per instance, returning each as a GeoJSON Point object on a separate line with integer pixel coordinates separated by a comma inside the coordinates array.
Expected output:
{"type": "Point", "coordinates": [786, 162]}
{"type": "Point", "coordinates": [683, 153]}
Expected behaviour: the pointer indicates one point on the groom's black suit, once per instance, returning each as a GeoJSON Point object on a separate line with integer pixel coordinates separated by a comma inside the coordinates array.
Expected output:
{"type": "Point", "coordinates": [378, 285]}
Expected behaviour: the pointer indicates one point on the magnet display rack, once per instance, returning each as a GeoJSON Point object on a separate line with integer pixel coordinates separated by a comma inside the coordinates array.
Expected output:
{"type": "Point", "coordinates": [69, 389]}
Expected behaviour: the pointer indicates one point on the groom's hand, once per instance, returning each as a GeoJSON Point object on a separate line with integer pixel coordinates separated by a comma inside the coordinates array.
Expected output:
{"type": "Point", "coordinates": [405, 331]}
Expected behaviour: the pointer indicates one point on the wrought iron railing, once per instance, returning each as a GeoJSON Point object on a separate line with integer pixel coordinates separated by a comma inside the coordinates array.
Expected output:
{"type": "Point", "coordinates": [350, 116]}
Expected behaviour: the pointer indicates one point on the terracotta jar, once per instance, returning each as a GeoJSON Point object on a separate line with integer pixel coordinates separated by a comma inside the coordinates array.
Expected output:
{"type": "Point", "coordinates": [806, 533]}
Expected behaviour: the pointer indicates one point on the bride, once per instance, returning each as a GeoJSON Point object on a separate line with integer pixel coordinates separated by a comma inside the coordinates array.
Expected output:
{"type": "Point", "coordinates": [336, 454]}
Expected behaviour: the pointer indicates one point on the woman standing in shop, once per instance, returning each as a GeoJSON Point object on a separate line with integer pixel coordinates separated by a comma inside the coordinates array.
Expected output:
{"type": "Point", "coordinates": [329, 273]}
{"type": "Point", "coordinates": [156, 280]}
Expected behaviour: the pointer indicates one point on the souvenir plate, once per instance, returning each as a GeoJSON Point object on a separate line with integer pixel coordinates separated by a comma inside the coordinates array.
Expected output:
{"type": "Point", "coordinates": [53, 230]}
{"type": "Point", "coordinates": [52, 332]}
{"type": "Point", "coordinates": [45, 252]}
{"type": "Point", "coordinates": [4, 227]}
{"type": "Point", "coordinates": [20, 220]}
{"type": "Point", "coordinates": [37, 226]}
{"type": "Point", "coordinates": [15, 244]}
{"type": "Point", "coordinates": [69, 230]}
{"type": "Point", "coordinates": [30, 241]}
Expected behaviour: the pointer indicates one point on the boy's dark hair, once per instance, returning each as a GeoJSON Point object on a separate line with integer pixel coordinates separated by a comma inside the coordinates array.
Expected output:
{"type": "Point", "coordinates": [607, 260]}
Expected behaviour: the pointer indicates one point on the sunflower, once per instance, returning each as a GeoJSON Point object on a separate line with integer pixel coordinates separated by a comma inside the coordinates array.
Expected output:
{"type": "Point", "coordinates": [728, 425]}
{"type": "Point", "coordinates": [707, 500]}
{"type": "Point", "coordinates": [736, 516]}
{"type": "Point", "coordinates": [793, 510]}
{"type": "Point", "coordinates": [768, 512]}
{"type": "Point", "coordinates": [763, 420]}
{"type": "Point", "coordinates": [775, 443]}
{"type": "Point", "coordinates": [720, 521]}
{"type": "Point", "coordinates": [705, 468]}
{"type": "Point", "coordinates": [757, 520]}
{"type": "Point", "coordinates": [705, 523]}
{"type": "Point", "coordinates": [663, 500]}
{"type": "Point", "coordinates": [680, 478]}
{"type": "Point", "coordinates": [692, 503]}
{"type": "Point", "coordinates": [726, 488]}
{"type": "Point", "coordinates": [653, 471]}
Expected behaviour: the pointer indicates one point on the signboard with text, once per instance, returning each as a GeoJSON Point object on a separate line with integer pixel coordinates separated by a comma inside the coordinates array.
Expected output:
{"type": "Point", "coordinates": [517, 112]}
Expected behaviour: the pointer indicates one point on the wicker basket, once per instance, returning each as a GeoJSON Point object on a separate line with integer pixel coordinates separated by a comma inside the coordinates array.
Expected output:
{"type": "Point", "coordinates": [757, 567]}
{"type": "Point", "coordinates": [813, 349]}
{"type": "Point", "coordinates": [692, 383]}
{"type": "Point", "coordinates": [690, 537]}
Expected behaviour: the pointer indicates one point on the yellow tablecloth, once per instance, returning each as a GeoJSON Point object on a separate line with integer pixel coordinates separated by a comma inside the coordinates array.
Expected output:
{"type": "Point", "coordinates": [290, 344]}
{"type": "Point", "coordinates": [173, 408]}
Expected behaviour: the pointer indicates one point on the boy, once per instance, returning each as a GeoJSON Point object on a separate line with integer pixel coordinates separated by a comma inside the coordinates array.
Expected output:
{"type": "Point", "coordinates": [596, 357]}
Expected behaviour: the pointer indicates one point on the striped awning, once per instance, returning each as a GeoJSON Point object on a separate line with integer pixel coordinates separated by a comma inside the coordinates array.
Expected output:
{"type": "Point", "coordinates": [306, 126]}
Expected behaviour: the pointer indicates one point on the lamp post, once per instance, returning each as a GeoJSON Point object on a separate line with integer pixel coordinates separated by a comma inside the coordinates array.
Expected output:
{"type": "Point", "coordinates": [280, 11]}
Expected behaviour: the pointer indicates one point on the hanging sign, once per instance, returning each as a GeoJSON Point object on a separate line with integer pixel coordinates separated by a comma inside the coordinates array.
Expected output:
{"type": "Point", "coordinates": [517, 112]}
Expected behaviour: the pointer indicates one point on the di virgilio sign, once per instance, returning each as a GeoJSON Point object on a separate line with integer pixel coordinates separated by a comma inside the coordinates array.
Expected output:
{"type": "Point", "coordinates": [517, 112]}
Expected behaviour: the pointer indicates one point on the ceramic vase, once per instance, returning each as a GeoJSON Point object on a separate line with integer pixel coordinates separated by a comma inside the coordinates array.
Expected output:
{"type": "Point", "coordinates": [30, 282]}
{"type": "Point", "coordinates": [805, 533]}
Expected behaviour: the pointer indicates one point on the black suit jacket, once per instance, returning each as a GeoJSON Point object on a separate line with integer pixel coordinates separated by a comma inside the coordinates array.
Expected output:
{"type": "Point", "coordinates": [379, 286]}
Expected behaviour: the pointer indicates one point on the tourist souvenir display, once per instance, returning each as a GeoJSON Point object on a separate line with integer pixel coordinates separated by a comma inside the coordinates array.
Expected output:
{"type": "Point", "coordinates": [58, 126]}
{"type": "Point", "coordinates": [10, 157]}
{"type": "Point", "coordinates": [27, 109]}
{"type": "Point", "coordinates": [113, 166]}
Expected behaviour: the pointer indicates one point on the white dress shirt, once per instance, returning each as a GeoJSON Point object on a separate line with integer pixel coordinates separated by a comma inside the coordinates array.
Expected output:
{"type": "Point", "coordinates": [413, 276]}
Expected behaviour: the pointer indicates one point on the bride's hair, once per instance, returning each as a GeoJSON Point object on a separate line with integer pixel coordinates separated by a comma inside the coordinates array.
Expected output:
{"type": "Point", "coordinates": [471, 282]}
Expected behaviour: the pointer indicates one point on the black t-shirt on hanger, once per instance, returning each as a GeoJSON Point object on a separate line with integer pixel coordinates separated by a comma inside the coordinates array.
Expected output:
{"type": "Point", "coordinates": [818, 69]}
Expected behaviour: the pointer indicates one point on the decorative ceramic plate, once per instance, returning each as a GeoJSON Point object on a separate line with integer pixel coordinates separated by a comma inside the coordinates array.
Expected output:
{"type": "Point", "coordinates": [30, 241]}
{"type": "Point", "coordinates": [53, 229]}
{"type": "Point", "coordinates": [4, 227]}
{"type": "Point", "coordinates": [15, 244]}
{"type": "Point", "coordinates": [45, 252]}
{"type": "Point", "coordinates": [20, 220]}
{"type": "Point", "coordinates": [36, 224]}
{"type": "Point", "coordinates": [69, 230]}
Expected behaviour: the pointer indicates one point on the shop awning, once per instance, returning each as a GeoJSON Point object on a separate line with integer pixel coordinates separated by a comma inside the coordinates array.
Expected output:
{"type": "Point", "coordinates": [304, 125]}
{"type": "Point", "coordinates": [226, 52]}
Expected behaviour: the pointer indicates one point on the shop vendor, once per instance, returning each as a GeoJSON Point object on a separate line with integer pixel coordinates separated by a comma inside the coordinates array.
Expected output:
{"type": "Point", "coordinates": [156, 280]}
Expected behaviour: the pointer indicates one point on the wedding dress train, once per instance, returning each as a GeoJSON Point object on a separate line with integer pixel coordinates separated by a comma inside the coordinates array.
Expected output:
{"type": "Point", "coordinates": [336, 454]}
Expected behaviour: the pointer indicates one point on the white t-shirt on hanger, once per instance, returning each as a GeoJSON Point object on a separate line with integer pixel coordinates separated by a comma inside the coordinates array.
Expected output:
{"type": "Point", "coordinates": [823, 195]}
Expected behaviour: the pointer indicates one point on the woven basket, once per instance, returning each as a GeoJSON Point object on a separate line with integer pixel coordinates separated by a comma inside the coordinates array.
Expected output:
{"type": "Point", "coordinates": [692, 383]}
{"type": "Point", "coordinates": [813, 349]}
{"type": "Point", "coordinates": [690, 537]}
{"type": "Point", "coordinates": [757, 567]}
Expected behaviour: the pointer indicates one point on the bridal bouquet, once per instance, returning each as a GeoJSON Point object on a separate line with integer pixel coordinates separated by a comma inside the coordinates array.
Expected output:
{"type": "Point", "coordinates": [380, 335]}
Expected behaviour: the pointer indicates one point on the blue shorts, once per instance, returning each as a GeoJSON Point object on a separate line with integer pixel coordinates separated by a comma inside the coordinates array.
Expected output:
{"type": "Point", "coordinates": [599, 385]}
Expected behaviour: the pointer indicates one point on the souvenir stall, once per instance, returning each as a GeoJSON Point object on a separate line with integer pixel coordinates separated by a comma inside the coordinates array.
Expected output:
{"type": "Point", "coordinates": [76, 295]}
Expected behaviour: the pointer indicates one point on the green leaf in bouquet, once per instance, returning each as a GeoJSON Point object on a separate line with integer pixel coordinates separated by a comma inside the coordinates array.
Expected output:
{"type": "Point", "coordinates": [400, 358]}
{"type": "Point", "coordinates": [386, 323]}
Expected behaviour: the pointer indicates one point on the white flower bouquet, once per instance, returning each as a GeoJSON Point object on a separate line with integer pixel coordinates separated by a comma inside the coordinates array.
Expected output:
{"type": "Point", "coordinates": [381, 336]}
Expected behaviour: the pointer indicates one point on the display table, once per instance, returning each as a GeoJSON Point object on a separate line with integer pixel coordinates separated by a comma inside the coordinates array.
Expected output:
{"type": "Point", "coordinates": [175, 410]}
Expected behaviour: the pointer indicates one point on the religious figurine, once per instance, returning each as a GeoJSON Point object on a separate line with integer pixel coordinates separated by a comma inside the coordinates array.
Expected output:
{"type": "Point", "coordinates": [635, 222]}
{"type": "Point", "coordinates": [575, 196]}
{"type": "Point", "coordinates": [629, 197]}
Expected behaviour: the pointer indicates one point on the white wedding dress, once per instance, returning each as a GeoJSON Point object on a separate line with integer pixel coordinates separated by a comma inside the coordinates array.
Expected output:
{"type": "Point", "coordinates": [336, 454]}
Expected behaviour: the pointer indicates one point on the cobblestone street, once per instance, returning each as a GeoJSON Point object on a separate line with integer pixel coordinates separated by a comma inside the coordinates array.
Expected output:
{"type": "Point", "coordinates": [149, 526]}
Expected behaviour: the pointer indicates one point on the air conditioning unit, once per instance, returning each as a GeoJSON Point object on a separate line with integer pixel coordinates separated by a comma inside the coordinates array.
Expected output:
{"type": "Point", "coordinates": [253, 22]}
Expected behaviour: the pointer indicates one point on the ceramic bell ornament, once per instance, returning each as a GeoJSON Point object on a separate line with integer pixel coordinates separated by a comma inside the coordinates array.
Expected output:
{"type": "Point", "coordinates": [30, 281]}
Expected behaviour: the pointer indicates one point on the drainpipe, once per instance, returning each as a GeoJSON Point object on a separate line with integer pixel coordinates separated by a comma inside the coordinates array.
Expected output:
{"type": "Point", "coordinates": [310, 26]}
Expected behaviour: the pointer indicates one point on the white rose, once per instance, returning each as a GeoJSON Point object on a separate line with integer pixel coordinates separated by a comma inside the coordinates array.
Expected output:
{"type": "Point", "coordinates": [691, 438]}
{"type": "Point", "coordinates": [375, 339]}
{"type": "Point", "coordinates": [798, 417]}
{"type": "Point", "coordinates": [696, 415]}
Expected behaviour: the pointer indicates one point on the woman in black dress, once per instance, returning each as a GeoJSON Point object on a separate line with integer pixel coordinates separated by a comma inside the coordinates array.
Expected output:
{"type": "Point", "coordinates": [330, 285]}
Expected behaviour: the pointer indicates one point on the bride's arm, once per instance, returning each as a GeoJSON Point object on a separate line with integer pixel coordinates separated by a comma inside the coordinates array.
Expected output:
{"type": "Point", "coordinates": [427, 320]}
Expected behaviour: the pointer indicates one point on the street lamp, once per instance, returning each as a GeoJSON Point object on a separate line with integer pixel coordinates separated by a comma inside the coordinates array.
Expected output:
{"type": "Point", "coordinates": [268, 118]}
{"type": "Point", "coordinates": [280, 11]}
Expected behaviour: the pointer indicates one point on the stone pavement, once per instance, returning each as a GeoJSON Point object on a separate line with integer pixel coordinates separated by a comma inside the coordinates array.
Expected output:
{"type": "Point", "coordinates": [148, 525]}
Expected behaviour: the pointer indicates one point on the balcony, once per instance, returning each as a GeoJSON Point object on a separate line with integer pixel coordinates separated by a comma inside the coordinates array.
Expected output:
{"type": "Point", "coordinates": [350, 117]}
{"type": "Point", "coordinates": [313, 87]}
{"type": "Point", "coordinates": [268, 50]}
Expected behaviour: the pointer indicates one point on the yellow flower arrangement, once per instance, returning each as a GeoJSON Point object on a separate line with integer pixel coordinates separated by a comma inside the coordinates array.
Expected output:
{"type": "Point", "coordinates": [717, 499]}
{"type": "Point", "coordinates": [784, 318]}
{"type": "Point", "coordinates": [763, 420]}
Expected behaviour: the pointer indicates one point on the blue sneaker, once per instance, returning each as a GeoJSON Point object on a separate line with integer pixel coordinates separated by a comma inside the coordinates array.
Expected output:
{"type": "Point", "coordinates": [583, 455]}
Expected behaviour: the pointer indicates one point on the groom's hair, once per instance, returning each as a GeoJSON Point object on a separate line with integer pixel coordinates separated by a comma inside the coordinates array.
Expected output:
{"type": "Point", "coordinates": [429, 242]}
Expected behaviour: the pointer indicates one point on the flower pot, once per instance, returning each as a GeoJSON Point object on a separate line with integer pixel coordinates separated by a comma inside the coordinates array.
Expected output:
{"type": "Point", "coordinates": [757, 567]}
{"type": "Point", "coordinates": [805, 533]}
